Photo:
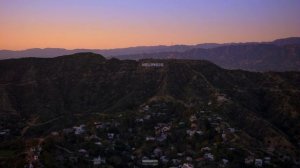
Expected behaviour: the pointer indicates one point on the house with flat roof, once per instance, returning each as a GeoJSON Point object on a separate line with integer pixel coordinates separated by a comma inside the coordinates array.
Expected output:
{"type": "Point", "coordinates": [149, 162]}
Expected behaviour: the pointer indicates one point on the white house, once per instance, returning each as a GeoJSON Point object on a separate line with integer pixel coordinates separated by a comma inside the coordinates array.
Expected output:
{"type": "Point", "coordinates": [4, 132]}
{"type": "Point", "coordinates": [110, 135]}
{"type": "Point", "coordinates": [199, 132]}
{"type": "Point", "coordinates": [147, 117]}
{"type": "Point", "coordinates": [149, 162]}
{"type": "Point", "coordinates": [150, 138]}
{"type": "Point", "coordinates": [166, 128]}
{"type": "Point", "coordinates": [176, 161]}
{"type": "Point", "coordinates": [98, 143]}
{"type": "Point", "coordinates": [258, 162]}
{"type": "Point", "coordinates": [191, 132]}
{"type": "Point", "coordinates": [187, 165]}
{"type": "Point", "coordinates": [164, 159]}
{"type": "Point", "coordinates": [189, 159]}
{"type": "Point", "coordinates": [205, 149]}
{"type": "Point", "coordinates": [98, 161]}
{"type": "Point", "coordinates": [249, 160]}
{"type": "Point", "coordinates": [209, 156]}
{"type": "Point", "coordinates": [139, 120]}
{"type": "Point", "coordinates": [224, 162]}
{"type": "Point", "coordinates": [232, 130]}
{"type": "Point", "coordinates": [267, 160]}
{"type": "Point", "coordinates": [193, 118]}
{"type": "Point", "coordinates": [224, 137]}
{"type": "Point", "coordinates": [79, 129]}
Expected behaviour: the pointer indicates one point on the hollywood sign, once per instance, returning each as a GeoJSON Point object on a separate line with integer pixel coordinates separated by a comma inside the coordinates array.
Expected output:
{"type": "Point", "coordinates": [152, 64]}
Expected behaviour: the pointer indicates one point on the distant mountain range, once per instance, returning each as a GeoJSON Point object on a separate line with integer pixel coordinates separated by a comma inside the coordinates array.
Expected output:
{"type": "Point", "coordinates": [278, 55]}
{"type": "Point", "coordinates": [53, 52]}
{"type": "Point", "coordinates": [251, 57]}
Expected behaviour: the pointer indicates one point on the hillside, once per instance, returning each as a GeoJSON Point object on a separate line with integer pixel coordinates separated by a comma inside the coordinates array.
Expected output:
{"type": "Point", "coordinates": [39, 96]}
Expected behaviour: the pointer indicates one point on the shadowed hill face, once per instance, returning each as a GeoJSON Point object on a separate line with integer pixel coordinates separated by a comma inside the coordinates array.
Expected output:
{"type": "Point", "coordinates": [263, 104]}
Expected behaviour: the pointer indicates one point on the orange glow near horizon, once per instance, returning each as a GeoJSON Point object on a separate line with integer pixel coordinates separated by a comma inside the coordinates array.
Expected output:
{"type": "Point", "coordinates": [101, 25]}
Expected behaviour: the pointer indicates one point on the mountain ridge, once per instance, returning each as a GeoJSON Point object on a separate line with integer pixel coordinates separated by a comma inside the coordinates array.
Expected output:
{"type": "Point", "coordinates": [279, 55]}
{"type": "Point", "coordinates": [251, 57]}
{"type": "Point", "coordinates": [46, 52]}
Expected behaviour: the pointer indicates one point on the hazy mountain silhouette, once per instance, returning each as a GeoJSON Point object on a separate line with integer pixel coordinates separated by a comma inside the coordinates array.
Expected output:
{"type": "Point", "coordinates": [279, 55]}
{"type": "Point", "coordinates": [253, 57]}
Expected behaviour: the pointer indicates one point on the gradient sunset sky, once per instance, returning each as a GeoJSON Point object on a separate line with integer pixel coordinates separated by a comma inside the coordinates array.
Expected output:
{"type": "Point", "coordinates": [122, 23]}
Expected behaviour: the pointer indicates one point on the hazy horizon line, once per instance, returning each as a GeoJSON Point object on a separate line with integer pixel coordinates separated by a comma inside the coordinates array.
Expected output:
{"type": "Point", "coordinates": [157, 45]}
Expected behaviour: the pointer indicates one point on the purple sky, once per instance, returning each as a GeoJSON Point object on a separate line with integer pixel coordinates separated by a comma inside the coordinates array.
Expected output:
{"type": "Point", "coordinates": [122, 23]}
